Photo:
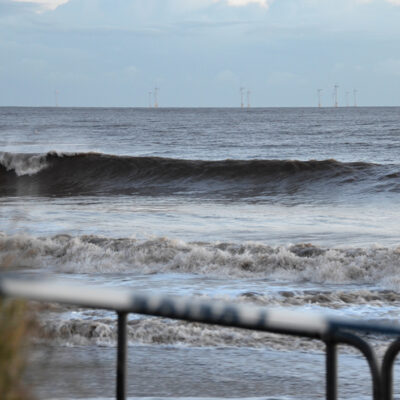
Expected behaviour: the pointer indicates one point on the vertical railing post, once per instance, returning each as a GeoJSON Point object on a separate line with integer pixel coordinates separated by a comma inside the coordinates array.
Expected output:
{"type": "Point", "coordinates": [331, 370]}
{"type": "Point", "coordinates": [121, 356]}
{"type": "Point", "coordinates": [387, 369]}
{"type": "Point", "coordinates": [369, 354]}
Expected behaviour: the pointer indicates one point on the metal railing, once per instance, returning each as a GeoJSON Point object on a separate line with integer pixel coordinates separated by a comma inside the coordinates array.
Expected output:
{"type": "Point", "coordinates": [332, 331]}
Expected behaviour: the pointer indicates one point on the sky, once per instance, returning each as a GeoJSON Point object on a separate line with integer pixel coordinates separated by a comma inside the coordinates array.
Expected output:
{"type": "Point", "coordinates": [199, 53]}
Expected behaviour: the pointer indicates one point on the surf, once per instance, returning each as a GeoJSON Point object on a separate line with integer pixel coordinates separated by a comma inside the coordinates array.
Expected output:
{"type": "Point", "coordinates": [76, 174]}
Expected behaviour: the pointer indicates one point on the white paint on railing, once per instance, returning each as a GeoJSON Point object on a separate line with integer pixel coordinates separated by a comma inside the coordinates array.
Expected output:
{"type": "Point", "coordinates": [281, 320]}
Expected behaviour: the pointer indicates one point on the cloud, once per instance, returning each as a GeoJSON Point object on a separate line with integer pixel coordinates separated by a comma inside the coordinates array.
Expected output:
{"type": "Point", "coordinates": [394, 2]}
{"type": "Point", "coordinates": [241, 3]}
{"type": "Point", "coordinates": [44, 5]}
{"type": "Point", "coordinates": [184, 6]}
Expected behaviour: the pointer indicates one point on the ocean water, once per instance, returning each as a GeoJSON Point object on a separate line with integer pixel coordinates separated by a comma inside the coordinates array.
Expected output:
{"type": "Point", "coordinates": [288, 207]}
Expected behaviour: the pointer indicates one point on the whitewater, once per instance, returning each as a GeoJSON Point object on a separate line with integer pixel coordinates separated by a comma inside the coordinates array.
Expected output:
{"type": "Point", "coordinates": [276, 207]}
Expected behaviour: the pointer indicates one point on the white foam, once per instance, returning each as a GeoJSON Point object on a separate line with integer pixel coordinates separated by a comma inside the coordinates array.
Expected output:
{"type": "Point", "coordinates": [91, 254]}
{"type": "Point", "coordinates": [158, 331]}
{"type": "Point", "coordinates": [23, 164]}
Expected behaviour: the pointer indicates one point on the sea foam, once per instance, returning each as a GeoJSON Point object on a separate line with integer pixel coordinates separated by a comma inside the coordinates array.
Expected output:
{"type": "Point", "coordinates": [23, 164]}
{"type": "Point", "coordinates": [298, 263]}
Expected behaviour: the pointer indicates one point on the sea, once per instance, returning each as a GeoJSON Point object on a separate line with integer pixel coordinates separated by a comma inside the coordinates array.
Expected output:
{"type": "Point", "coordinates": [290, 207]}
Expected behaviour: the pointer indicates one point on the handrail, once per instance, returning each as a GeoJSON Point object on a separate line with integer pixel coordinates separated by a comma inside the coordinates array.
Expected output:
{"type": "Point", "coordinates": [276, 319]}
{"type": "Point", "coordinates": [331, 330]}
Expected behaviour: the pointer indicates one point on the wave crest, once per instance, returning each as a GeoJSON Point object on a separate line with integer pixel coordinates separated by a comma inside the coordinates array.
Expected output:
{"type": "Point", "coordinates": [90, 254]}
{"type": "Point", "coordinates": [94, 173]}
{"type": "Point", "coordinates": [157, 331]}
{"type": "Point", "coordinates": [23, 164]}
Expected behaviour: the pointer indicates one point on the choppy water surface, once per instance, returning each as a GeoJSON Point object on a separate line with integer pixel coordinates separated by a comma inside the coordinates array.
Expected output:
{"type": "Point", "coordinates": [288, 207]}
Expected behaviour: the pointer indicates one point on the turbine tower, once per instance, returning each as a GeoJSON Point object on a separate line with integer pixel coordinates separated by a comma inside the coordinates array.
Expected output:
{"type": "Point", "coordinates": [335, 88]}
{"type": "Point", "coordinates": [248, 98]}
{"type": "Point", "coordinates": [355, 97]}
{"type": "Point", "coordinates": [319, 97]}
{"type": "Point", "coordinates": [241, 97]}
{"type": "Point", "coordinates": [156, 89]}
{"type": "Point", "coordinates": [347, 99]}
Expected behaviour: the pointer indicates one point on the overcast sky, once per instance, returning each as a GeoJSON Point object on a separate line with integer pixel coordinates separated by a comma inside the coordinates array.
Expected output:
{"type": "Point", "coordinates": [199, 52]}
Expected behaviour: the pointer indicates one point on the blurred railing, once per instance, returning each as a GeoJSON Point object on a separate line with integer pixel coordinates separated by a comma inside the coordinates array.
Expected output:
{"type": "Point", "coordinates": [332, 331]}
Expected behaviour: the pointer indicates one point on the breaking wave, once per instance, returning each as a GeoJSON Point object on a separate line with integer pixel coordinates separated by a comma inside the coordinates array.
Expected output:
{"type": "Point", "coordinates": [23, 164]}
{"type": "Point", "coordinates": [166, 332]}
{"type": "Point", "coordinates": [58, 174]}
{"type": "Point", "coordinates": [298, 263]}
{"type": "Point", "coordinates": [157, 331]}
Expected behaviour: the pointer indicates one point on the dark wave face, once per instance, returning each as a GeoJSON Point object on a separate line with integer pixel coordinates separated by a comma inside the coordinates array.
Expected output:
{"type": "Point", "coordinates": [54, 174]}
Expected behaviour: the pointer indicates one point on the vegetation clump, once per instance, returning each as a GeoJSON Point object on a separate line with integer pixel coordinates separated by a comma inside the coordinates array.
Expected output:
{"type": "Point", "coordinates": [14, 329]}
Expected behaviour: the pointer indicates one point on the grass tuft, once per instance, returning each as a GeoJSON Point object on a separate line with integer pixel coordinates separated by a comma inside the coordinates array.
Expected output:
{"type": "Point", "coordinates": [14, 328]}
